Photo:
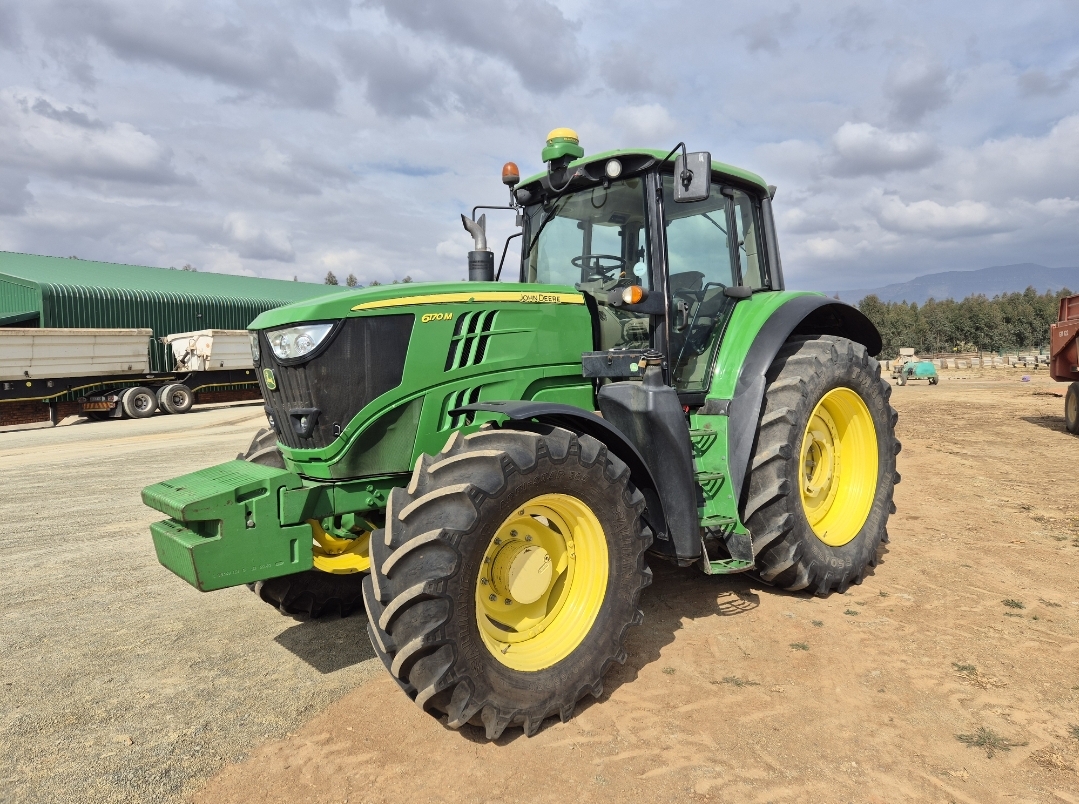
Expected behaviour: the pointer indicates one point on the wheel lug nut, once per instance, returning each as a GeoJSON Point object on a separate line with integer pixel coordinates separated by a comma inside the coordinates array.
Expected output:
{"type": "Point", "coordinates": [528, 538]}
{"type": "Point", "coordinates": [513, 533]}
{"type": "Point", "coordinates": [498, 541]}
{"type": "Point", "coordinates": [508, 601]}
{"type": "Point", "coordinates": [483, 581]}
{"type": "Point", "coordinates": [493, 598]}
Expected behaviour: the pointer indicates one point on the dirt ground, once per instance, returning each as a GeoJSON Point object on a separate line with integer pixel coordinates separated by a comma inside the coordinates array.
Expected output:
{"type": "Point", "coordinates": [951, 674]}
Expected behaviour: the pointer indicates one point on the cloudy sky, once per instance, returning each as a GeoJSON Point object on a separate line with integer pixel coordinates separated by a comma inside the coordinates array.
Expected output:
{"type": "Point", "coordinates": [289, 138]}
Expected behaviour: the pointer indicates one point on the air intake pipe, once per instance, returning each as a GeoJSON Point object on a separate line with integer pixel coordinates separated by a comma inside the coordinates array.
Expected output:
{"type": "Point", "coordinates": [481, 261]}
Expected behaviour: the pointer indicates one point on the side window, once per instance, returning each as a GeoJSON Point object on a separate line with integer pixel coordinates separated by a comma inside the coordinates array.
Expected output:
{"type": "Point", "coordinates": [747, 225]}
{"type": "Point", "coordinates": [699, 268]}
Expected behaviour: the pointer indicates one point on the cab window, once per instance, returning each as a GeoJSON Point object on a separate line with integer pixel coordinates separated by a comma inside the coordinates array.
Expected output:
{"type": "Point", "coordinates": [596, 240]}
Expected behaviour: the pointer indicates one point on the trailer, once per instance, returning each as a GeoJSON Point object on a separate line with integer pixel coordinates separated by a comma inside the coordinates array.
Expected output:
{"type": "Point", "coordinates": [1064, 357]}
{"type": "Point", "coordinates": [107, 372]}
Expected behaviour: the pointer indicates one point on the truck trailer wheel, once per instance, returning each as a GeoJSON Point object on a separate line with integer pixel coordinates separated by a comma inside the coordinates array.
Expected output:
{"type": "Point", "coordinates": [821, 479]}
{"type": "Point", "coordinates": [308, 594]}
{"type": "Point", "coordinates": [1071, 408]}
{"type": "Point", "coordinates": [139, 403]}
{"type": "Point", "coordinates": [175, 398]}
{"type": "Point", "coordinates": [507, 576]}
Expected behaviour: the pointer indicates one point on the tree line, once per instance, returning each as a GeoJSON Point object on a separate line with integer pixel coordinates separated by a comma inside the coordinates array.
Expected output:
{"type": "Point", "coordinates": [1008, 322]}
{"type": "Point", "coordinates": [353, 282]}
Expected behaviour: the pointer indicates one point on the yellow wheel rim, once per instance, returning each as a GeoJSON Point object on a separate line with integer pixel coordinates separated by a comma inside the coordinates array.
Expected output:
{"type": "Point", "coordinates": [542, 582]}
{"type": "Point", "coordinates": [340, 556]}
{"type": "Point", "coordinates": [838, 467]}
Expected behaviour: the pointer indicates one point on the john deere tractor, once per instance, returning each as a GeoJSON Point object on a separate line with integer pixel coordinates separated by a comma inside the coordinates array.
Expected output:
{"type": "Point", "coordinates": [489, 467]}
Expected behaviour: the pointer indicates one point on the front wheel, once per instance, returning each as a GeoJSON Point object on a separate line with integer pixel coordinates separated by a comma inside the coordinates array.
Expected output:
{"type": "Point", "coordinates": [507, 577]}
{"type": "Point", "coordinates": [1071, 408]}
{"type": "Point", "coordinates": [821, 480]}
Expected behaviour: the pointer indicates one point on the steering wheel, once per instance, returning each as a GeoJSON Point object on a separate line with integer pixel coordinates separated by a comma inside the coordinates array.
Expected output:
{"type": "Point", "coordinates": [594, 262]}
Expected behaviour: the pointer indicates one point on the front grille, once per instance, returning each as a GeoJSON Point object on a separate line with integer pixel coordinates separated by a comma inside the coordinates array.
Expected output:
{"type": "Point", "coordinates": [365, 359]}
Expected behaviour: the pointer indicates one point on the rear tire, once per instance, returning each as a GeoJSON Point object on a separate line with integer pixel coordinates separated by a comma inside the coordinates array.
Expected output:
{"type": "Point", "coordinates": [426, 596]}
{"type": "Point", "coordinates": [1071, 408]}
{"type": "Point", "coordinates": [175, 398]}
{"type": "Point", "coordinates": [788, 551]}
{"type": "Point", "coordinates": [312, 593]}
{"type": "Point", "coordinates": [139, 403]}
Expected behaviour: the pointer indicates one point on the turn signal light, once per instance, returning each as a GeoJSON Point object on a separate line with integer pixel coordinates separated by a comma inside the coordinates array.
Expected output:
{"type": "Point", "coordinates": [634, 294]}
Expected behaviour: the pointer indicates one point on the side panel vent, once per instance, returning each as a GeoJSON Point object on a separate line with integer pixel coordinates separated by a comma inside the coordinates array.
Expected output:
{"type": "Point", "coordinates": [469, 342]}
{"type": "Point", "coordinates": [466, 396]}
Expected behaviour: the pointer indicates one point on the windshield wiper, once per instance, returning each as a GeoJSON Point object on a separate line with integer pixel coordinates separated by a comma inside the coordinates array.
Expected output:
{"type": "Point", "coordinates": [547, 219]}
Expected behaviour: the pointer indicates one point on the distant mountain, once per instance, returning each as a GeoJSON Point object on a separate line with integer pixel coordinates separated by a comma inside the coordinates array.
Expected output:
{"type": "Point", "coordinates": [960, 284]}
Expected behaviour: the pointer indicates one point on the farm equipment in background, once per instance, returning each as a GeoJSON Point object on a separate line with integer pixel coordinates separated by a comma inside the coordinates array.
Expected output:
{"type": "Point", "coordinates": [1064, 357]}
{"type": "Point", "coordinates": [488, 466]}
{"type": "Point", "coordinates": [908, 367]}
{"type": "Point", "coordinates": [108, 370]}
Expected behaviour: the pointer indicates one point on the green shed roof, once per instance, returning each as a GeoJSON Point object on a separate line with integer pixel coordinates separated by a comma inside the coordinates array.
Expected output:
{"type": "Point", "coordinates": [31, 269]}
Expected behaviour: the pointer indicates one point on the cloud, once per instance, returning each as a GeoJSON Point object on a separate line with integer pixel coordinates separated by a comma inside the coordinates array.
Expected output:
{"type": "Point", "coordinates": [862, 149]}
{"type": "Point", "coordinates": [962, 219]}
{"type": "Point", "coordinates": [1022, 166]}
{"type": "Point", "coordinates": [764, 33]}
{"type": "Point", "coordinates": [916, 86]}
{"type": "Point", "coordinates": [532, 36]}
{"type": "Point", "coordinates": [257, 243]}
{"type": "Point", "coordinates": [1038, 82]}
{"type": "Point", "coordinates": [14, 191]}
{"type": "Point", "coordinates": [625, 68]}
{"type": "Point", "coordinates": [68, 142]}
{"type": "Point", "coordinates": [648, 125]}
{"type": "Point", "coordinates": [199, 40]}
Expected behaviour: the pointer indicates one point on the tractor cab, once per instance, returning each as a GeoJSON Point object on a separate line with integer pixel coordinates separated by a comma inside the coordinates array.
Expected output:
{"type": "Point", "coordinates": [661, 268]}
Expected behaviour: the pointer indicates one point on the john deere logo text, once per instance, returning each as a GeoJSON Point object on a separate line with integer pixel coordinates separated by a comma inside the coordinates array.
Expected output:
{"type": "Point", "coordinates": [436, 317]}
{"type": "Point", "coordinates": [271, 381]}
{"type": "Point", "coordinates": [540, 298]}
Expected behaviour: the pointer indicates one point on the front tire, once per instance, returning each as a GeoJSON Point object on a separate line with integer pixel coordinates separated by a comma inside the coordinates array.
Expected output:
{"type": "Point", "coordinates": [823, 471]}
{"type": "Point", "coordinates": [507, 577]}
{"type": "Point", "coordinates": [1071, 408]}
{"type": "Point", "coordinates": [312, 593]}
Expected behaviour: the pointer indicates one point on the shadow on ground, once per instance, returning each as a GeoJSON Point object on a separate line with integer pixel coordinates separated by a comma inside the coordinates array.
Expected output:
{"type": "Point", "coordinates": [1048, 422]}
{"type": "Point", "coordinates": [330, 644]}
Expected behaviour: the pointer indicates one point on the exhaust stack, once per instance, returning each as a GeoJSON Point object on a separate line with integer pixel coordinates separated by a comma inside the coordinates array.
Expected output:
{"type": "Point", "coordinates": [481, 261]}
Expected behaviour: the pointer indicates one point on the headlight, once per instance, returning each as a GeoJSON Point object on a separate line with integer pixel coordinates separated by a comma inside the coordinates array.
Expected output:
{"type": "Point", "coordinates": [295, 342]}
{"type": "Point", "coordinates": [254, 347]}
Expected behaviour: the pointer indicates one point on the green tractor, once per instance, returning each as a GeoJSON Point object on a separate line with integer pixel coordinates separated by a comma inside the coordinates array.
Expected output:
{"type": "Point", "coordinates": [489, 467]}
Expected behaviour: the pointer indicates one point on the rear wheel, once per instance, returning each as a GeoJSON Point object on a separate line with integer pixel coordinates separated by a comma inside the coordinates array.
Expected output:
{"type": "Point", "coordinates": [1071, 408]}
{"type": "Point", "coordinates": [507, 577]}
{"type": "Point", "coordinates": [822, 475]}
{"type": "Point", "coordinates": [175, 398]}
{"type": "Point", "coordinates": [312, 593]}
{"type": "Point", "coordinates": [139, 403]}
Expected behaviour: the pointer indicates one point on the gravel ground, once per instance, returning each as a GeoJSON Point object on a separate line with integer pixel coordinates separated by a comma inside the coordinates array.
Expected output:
{"type": "Point", "coordinates": [120, 682]}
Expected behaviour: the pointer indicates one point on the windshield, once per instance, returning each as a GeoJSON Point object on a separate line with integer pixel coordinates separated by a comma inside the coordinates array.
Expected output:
{"type": "Point", "coordinates": [594, 238]}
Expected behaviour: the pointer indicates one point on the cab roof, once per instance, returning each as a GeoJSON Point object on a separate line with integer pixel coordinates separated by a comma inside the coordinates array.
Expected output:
{"type": "Point", "coordinates": [722, 168]}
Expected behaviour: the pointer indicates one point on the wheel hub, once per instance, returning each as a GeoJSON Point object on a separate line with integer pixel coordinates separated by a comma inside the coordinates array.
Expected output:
{"type": "Point", "coordinates": [523, 571]}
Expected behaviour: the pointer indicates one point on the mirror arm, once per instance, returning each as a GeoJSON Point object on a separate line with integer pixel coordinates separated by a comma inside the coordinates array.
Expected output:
{"type": "Point", "coordinates": [505, 249]}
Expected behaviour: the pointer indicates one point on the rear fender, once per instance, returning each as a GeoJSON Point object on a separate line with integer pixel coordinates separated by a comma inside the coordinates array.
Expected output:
{"type": "Point", "coordinates": [800, 315]}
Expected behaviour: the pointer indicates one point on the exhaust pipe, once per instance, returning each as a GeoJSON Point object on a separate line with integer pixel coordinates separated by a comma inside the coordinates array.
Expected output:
{"type": "Point", "coordinates": [481, 261]}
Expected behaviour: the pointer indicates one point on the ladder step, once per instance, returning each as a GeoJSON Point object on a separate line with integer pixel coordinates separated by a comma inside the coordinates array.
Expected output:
{"type": "Point", "coordinates": [707, 477]}
{"type": "Point", "coordinates": [702, 433]}
{"type": "Point", "coordinates": [729, 566]}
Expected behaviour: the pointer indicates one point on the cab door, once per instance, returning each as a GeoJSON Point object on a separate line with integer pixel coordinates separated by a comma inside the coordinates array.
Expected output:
{"type": "Point", "coordinates": [710, 246]}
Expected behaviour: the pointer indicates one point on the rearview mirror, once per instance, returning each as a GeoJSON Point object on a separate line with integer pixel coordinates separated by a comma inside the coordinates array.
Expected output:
{"type": "Point", "coordinates": [693, 177]}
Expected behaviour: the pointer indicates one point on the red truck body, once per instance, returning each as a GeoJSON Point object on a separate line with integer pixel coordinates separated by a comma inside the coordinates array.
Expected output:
{"type": "Point", "coordinates": [1063, 346]}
